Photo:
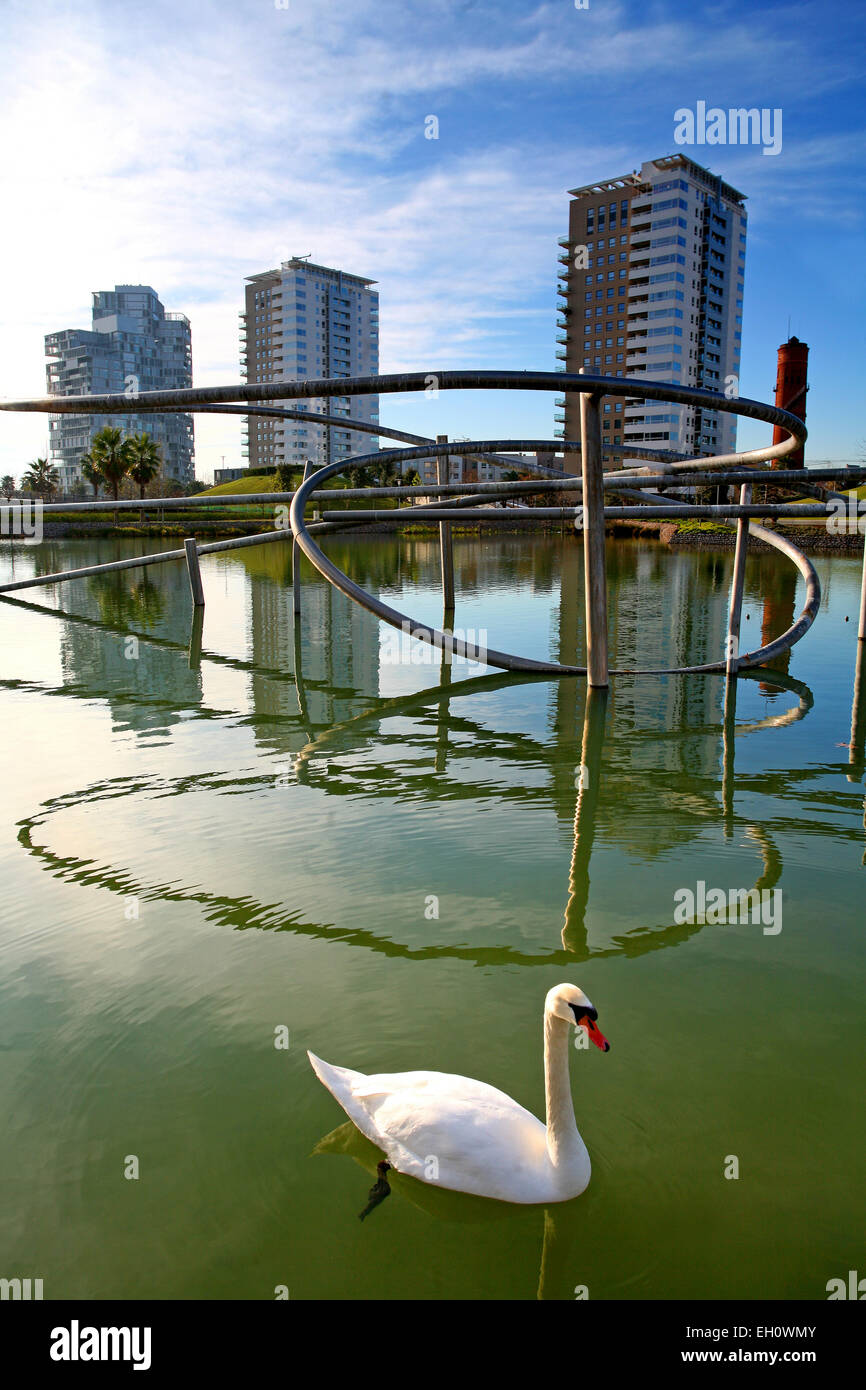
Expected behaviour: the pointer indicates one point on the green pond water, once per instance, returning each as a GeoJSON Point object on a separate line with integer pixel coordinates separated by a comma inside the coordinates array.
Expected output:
{"type": "Point", "coordinates": [204, 853]}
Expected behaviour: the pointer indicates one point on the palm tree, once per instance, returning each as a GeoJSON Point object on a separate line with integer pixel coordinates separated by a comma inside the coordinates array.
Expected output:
{"type": "Point", "coordinates": [91, 473]}
{"type": "Point", "coordinates": [360, 477]}
{"type": "Point", "coordinates": [110, 454]}
{"type": "Point", "coordinates": [146, 460]}
{"type": "Point", "coordinates": [41, 478]}
{"type": "Point", "coordinates": [389, 474]}
{"type": "Point", "coordinates": [7, 487]}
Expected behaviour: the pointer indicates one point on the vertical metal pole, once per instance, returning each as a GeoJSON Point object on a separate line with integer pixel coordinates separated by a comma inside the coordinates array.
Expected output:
{"type": "Point", "coordinates": [296, 557]}
{"type": "Point", "coordinates": [595, 580]}
{"type": "Point", "coordinates": [195, 636]}
{"type": "Point", "coordinates": [444, 711]}
{"type": "Point", "coordinates": [192, 564]}
{"type": "Point", "coordinates": [862, 629]}
{"type": "Point", "coordinates": [858, 718]}
{"type": "Point", "coordinates": [732, 655]}
{"type": "Point", "coordinates": [729, 735]}
{"type": "Point", "coordinates": [443, 472]}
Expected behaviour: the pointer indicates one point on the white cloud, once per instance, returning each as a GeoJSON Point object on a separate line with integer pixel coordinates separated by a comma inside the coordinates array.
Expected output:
{"type": "Point", "coordinates": [188, 146]}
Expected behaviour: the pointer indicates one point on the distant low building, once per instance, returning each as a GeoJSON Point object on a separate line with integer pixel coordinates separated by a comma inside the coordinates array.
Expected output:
{"type": "Point", "coordinates": [466, 468]}
{"type": "Point", "coordinates": [133, 345]}
{"type": "Point", "coordinates": [227, 475]}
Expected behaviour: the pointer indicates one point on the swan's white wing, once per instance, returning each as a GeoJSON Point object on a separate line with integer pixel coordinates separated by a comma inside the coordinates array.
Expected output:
{"type": "Point", "coordinates": [448, 1130]}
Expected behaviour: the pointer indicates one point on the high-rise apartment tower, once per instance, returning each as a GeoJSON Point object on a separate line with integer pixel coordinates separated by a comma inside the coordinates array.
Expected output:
{"type": "Point", "coordinates": [652, 287]}
{"type": "Point", "coordinates": [307, 321]}
{"type": "Point", "coordinates": [133, 345]}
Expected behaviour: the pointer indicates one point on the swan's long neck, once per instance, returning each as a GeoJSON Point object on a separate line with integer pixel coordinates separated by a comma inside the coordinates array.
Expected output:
{"type": "Point", "coordinates": [563, 1141]}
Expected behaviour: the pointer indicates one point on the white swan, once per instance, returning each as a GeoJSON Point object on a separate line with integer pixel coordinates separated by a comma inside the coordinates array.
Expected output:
{"type": "Point", "coordinates": [463, 1134]}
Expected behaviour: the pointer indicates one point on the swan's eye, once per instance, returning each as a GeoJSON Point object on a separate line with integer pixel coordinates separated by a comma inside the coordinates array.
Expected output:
{"type": "Point", "coordinates": [584, 1011]}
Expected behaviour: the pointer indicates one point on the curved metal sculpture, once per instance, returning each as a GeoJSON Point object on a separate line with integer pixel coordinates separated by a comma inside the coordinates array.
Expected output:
{"type": "Point", "coordinates": [505, 660]}
{"type": "Point", "coordinates": [677, 469]}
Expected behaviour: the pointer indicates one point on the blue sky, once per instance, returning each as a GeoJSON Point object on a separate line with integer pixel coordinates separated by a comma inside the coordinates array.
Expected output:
{"type": "Point", "coordinates": [189, 144]}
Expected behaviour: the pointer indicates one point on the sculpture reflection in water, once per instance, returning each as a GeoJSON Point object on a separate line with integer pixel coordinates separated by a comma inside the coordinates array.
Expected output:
{"type": "Point", "coordinates": [555, 765]}
{"type": "Point", "coordinates": [572, 1228]}
{"type": "Point", "coordinates": [857, 760]}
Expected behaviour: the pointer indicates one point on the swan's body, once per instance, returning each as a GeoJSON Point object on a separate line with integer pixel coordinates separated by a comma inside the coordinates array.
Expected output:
{"type": "Point", "coordinates": [465, 1135]}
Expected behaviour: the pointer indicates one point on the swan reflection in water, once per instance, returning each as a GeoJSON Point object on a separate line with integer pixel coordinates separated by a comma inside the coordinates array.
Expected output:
{"type": "Point", "coordinates": [561, 1271]}
{"type": "Point", "coordinates": [379, 1191]}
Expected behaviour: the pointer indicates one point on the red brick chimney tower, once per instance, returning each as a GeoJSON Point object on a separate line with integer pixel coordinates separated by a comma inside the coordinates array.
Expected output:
{"type": "Point", "coordinates": [791, 388]}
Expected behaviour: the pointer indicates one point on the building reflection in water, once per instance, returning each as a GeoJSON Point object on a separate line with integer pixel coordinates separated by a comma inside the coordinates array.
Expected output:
{"type": "Point", "coordinates": [340, 651]}
{"type": "Point", "coordinates": [663, 775]}
{"type": "Point", "coordinates": [108, 647]}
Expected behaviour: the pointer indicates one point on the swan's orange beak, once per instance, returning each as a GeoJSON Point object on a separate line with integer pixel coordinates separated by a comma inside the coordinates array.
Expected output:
{"type": "Point", "coordinates": [595, 1033]}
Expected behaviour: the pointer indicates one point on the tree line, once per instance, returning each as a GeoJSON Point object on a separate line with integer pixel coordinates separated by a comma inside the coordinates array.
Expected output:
{"type": "Point", "coordinates": [110, 459]}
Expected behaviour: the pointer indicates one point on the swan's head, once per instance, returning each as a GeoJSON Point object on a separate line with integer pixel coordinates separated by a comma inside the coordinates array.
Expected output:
{"type": "Point", "coordinates": [571, 1005]}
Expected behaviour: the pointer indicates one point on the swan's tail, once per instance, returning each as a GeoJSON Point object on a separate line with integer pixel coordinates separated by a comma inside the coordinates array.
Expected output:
{"type": "Point", "coordinates": [348, 1087]}
{"type": "Point", "coordinates": [338, 1080]}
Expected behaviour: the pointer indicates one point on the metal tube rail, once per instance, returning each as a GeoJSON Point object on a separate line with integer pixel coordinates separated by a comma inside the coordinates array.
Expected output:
{"type": "Point", "coordinates": [569, 482]}
{"type": "Point", "coordinates": [398, 383]}
{"type": "Point", "coordinates": [733, 511]}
